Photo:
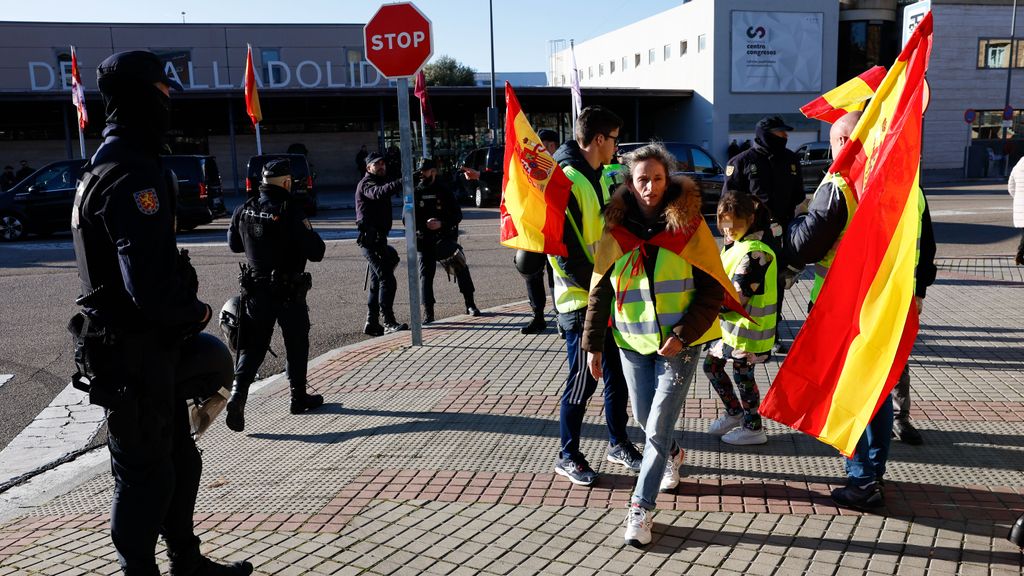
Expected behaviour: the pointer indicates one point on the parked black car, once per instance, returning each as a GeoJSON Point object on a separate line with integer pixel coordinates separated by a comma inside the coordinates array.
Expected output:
{"type": "Point", "coordinates": [302, 178]}
{"type": "Point", "coordinates": [815, 160]}
{"type": "Point", "coordinates": [41, 203]}
{"type": "Point", "coordinates": [490, 163]}
{"type": "Point", "coordinates": [695, 162]}
{"type": "Point", "coordinates": [199, 177]}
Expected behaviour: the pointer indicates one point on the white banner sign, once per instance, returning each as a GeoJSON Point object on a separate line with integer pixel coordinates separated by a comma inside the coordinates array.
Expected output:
{"type": "Point", "coordinates": [913, 14]}
{"type": "Point", "coordinates": [776, 51]}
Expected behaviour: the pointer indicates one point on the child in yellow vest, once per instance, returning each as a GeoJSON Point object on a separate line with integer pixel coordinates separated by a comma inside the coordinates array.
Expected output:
{"type": "Point", "coordinates": [751, 265]}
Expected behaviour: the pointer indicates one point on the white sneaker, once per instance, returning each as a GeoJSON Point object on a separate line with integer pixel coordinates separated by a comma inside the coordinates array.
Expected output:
{"type": "Point", "coordinates": [724, 423]}
{"type": "Point", "coordinates": [745, 437]}
{"type": "Point", "coordinates": [638, 526]}
{"type": "Point", "coordinates": [671, 477]}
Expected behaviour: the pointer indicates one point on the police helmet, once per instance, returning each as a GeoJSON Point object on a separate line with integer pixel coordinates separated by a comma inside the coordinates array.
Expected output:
{"type": "Point", "coordinates": [204, 367]}
{"type": "Point", "coordinates": [529, 263]}
{"type": "Point", "coordinates": [229, 316]}
{"type": "Point", "coordinates": [391, 256]}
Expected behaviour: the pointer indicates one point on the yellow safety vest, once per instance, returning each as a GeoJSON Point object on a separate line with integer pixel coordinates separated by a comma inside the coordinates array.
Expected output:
{"type": "Point", "coordinates": [738, 332]}
{"type": "Point", "coordinates": [570, 296]}
{"type": "Point", "coordinates": [821, 268]}
{"type": "Point", "coordinates": [642, 314]}
{"type": "Point", "coordinates": [613, 176]}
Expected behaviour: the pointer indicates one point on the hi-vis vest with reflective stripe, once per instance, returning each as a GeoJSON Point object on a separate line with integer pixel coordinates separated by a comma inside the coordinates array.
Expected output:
{"type": "Point", "coordinates": [642, 314]}
{"type": "Point", "coordinates": [613, 176]}
{"type": "Point", "coordinates": [737, 331]}
{"type": "Point", "coordinates": [570, 296]}
{"type": "Point", "coordinates": [821, 268]}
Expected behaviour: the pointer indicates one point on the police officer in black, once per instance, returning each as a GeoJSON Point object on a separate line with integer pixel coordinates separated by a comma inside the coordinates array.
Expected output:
{"type": "Point", "coordinates": [278, 240]}
{"type": "Point", "coordinates": [771, 172]}
{"type": "Point", "coordinates": [373, 216]}
{"type": "Point", "coordinates": [437, 235]}
{"type": "Point", "coordinates": [136, 292]}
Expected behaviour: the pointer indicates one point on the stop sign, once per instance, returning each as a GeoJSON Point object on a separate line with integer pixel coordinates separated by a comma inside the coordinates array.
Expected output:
{"type": "Point", "coordinates": [398, 40]}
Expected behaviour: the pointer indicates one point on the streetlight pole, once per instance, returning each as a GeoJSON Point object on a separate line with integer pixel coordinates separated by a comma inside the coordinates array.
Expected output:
{"type": "Point", "coordinates": [1009, 77]}
{"type": "Point", "coordinates": [492, 113]}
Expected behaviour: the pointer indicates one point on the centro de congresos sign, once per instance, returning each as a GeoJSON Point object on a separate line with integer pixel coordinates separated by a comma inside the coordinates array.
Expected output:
{"type": "Point", "coordinates": [43, 76]}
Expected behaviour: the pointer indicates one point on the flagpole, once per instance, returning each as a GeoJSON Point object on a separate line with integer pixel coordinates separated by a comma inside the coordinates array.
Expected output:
{"type": "Point", "coordinates": [423, 130]}
{"type": "Point", "coordinates": [81, 140]}
{"type": "Point", "coordinates": [259, 145]}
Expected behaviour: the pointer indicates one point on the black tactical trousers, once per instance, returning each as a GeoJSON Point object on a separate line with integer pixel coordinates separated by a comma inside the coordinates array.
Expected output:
{"type": "Point", "coordinates": [381, 297]}
{"type": "Point", "coordinates": [262, 309]}
{"type": "Point", "coordinates": [535, 290]}
{"type": "Point", "coordinates": [428, 268]}
{"type": "Point", "coordinates": [155, 463]}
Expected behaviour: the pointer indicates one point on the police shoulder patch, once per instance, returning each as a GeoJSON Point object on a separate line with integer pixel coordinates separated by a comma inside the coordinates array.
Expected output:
{"type": "Point", "coordinates": [147, 201]}
{"type": "Point", "coordinates": [729, 170]}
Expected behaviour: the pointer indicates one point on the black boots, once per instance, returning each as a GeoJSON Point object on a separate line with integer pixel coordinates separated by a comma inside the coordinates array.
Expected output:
{"type": "Point", "coordinates": [236, 407]}
{"type": "Point", "coordinates": [471, 308]}
{"type": "Point", "coordinates": [536, 326]}
{"type": "Point", "coordinates": [303, 402]}
{"type": "Point", "coordinates": [195, 564]}
{"type": "Point", "coordinates": [373, 327]}
{"type": "Point", "coordinates": [428, 314]}
{"type": "Point", "coordinates": [391, 325]}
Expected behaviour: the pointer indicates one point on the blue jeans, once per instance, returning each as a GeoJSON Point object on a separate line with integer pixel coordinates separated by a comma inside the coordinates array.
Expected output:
{"type": "Point", "coordinates": [868, 462]}
{"type": "Point", "coordinates": [580, 386]}
{"type": "Point", "coordinates": [657, 389]}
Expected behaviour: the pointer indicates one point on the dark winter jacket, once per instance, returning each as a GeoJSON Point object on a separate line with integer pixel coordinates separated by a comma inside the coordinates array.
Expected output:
{"type": "Point", "coordinates": [577, 265]}
{"type": "Point", "coordinates": [769, 171]}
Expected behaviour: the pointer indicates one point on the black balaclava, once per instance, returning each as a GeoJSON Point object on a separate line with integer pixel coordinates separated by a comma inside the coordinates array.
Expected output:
{"type": "Point", "coordinates": [769, 141]}
{"type": "Point", "coordinates": [135, 109]}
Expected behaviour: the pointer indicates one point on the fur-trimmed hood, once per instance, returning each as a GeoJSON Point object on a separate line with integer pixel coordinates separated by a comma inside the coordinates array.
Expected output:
{"type": "Point", "coordinates": [682, 202]}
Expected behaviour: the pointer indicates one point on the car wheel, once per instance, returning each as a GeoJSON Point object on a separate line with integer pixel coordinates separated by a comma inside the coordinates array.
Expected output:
{"type": "Point", "coordinates": [12, 228]}
{"type": "Point", "coordinates": [480, 196]}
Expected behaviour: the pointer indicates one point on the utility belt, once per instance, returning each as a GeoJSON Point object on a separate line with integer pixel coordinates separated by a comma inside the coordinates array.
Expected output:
{"type": "Point", "coordinates": [370, 237]}
{"type": "Point", "coordinates": [283, 285]}
{"type": "Point", "coordinates": [95, 363]}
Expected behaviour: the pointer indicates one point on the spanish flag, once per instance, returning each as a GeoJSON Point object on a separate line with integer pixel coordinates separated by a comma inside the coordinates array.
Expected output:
{"type": "Point", "coordinates": [847, 97]}
{"type": "Point", "coordinates": [534, 190]}
{"type": "Point", "coordinates": [856, 340]}
{"type": "Point", "coordinates": [252, 97]}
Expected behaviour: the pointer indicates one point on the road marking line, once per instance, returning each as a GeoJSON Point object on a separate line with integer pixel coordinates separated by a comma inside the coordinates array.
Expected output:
{"type": "Point", "coordinates": [4, 378]}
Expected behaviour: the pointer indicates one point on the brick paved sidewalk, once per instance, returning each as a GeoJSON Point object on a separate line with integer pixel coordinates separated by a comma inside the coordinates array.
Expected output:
{"type": "Point", "coordinates": [438, 460]}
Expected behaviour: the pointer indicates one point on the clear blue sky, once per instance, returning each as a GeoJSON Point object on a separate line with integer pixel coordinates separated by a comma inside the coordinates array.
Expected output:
{"type": "Point", "coordinates": [522, 28]}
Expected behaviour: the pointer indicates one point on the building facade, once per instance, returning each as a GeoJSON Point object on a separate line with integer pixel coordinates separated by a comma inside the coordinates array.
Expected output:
{"type": "Point", "coordinates": [743, 59]}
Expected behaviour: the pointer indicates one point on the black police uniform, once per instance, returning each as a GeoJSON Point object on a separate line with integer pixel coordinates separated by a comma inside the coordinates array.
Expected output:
{"type": "Point", "coordinates": [373, 216]}
{"type": "Point", "coordinates": [771, 172]}
{"type": "Point", "coordinates": [434, 200]}
{"type": "Point", "coordinates": [277, 240]}
{"type": "Point", "coordinates": [136, 290]}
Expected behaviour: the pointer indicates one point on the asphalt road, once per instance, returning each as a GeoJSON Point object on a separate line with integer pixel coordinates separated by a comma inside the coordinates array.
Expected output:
{"type": "Point", "coordinates": [39, 282]}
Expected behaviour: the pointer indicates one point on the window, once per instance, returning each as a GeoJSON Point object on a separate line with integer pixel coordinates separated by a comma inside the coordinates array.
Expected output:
{"type": "Point", "coordinates": [996, 53]}
{"type": "Point", "coordinates": [650, 56]}
{"type": "Point", "coordinates": [636, 59]}
{"type": "Point", "coordinates": [611, 67]}
{"type": "Point", "coordinates": [702, 42]}
{"type": "Point", "coordinates": [666, 52]}
{"type": "Point", "coordinates": [702, 163]}
{"type": "Point", "coordinates": [269, 55]}
{"type": "Point", "coordinates": [590, 72]}
{"type": "Point", "coordinates": [682, 47]}
{"type": "Point", "coordinates": [625, 63]}
{"type": "Point", "coordinates": [59, 177]}
{"type": "Point", "coordinates": [600, 69]}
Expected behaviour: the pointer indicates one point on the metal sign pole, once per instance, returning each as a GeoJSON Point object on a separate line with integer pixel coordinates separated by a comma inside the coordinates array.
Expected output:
{"type": "Point", "coordinates": [409, 212]}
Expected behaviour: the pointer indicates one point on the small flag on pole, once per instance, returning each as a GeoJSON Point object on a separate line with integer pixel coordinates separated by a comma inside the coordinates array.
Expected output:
{"type": "Point", "coordinates": [78, 93]}
{"type": "Point", "coordinates": [420, 90]}
{"type": "Point", "coordinates": [252, 97]}
{"type": "Point", "coordinates": [577, 96]}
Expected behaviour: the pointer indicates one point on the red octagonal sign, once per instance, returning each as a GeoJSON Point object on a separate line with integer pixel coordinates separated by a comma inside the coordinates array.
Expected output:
{"type": "Point", "coordinates": [398, 40]}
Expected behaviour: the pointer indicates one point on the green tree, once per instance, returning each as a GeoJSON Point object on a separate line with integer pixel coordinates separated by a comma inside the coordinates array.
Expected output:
{"type": "Point", "coordinates": [447, 71]}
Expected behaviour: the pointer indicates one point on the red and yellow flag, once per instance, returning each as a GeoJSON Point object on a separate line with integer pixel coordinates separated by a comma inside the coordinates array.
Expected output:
{"type": "Point", "coordinates": [252, 97]}
{"type": "Point", "coordinates": [534, 190]}
{"type": "Point", "coordinates": [847, 97]}
{"type": "Point", "coordinates": [856, 340]}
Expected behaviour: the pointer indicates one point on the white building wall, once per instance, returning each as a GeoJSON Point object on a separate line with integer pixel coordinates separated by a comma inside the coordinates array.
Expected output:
{"type": "Point", "coordinates": [956, 82]}
{"type": "Point", "coordinates": [704, 119]}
